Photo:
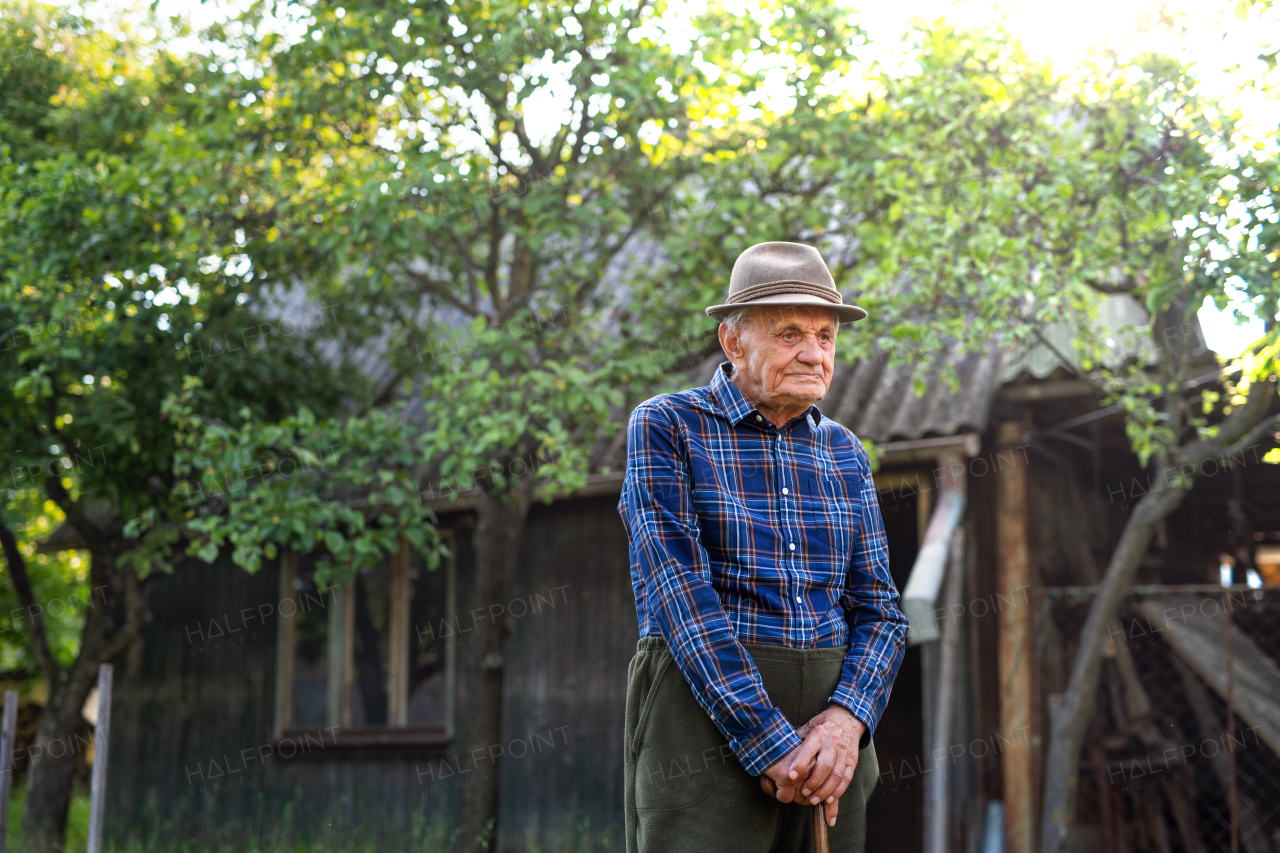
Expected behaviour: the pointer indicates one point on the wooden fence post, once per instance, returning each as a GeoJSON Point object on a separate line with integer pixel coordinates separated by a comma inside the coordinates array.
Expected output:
{"type": "Point", "coordinates": [8, 730]}
{"type": "Point", "coordinates": [98, 791]}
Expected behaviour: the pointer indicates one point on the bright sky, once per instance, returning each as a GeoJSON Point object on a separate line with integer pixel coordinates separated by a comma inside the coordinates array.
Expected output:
{"type": "Point", "coordinates": [1066, 35]}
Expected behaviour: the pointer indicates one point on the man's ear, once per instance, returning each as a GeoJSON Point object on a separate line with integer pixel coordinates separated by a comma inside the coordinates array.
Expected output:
{"type": "Point", "coordinates": [729, 342]}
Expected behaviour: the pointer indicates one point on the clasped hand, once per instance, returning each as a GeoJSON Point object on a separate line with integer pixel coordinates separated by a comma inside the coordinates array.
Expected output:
{"type": "Point", "coordinates": [821, 767]}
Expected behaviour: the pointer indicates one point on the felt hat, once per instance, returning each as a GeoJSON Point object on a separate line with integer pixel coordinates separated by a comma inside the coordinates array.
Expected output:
{"type": "Point", "coordinates": [783, 274]}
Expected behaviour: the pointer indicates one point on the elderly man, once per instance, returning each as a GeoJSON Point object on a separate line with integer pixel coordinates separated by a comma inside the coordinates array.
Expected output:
{"type": "Point", "coordinates": [770, 632]}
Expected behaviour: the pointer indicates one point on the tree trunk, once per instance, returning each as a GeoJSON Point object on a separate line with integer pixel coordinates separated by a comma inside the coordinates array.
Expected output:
{"type": "Point", "coordinates": [499, 526]}
{"type": "Point", "coordinates": [52, 760]}
{"type": "Point", "coordinates": [52, 765]}
{"type": "Point", "coordinates": [1069, 713]}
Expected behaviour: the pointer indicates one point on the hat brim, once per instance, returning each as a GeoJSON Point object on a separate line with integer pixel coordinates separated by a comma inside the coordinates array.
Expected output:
{"type": "Point", "coordinates": [846, 313]}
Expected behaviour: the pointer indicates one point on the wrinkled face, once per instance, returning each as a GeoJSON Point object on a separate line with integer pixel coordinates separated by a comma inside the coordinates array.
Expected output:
{"type": "Point", "coordinates": [783, 357]}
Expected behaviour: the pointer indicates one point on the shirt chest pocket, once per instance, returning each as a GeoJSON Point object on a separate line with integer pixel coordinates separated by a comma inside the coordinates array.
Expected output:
{"type": "Point", "coordinates": [828, 515]}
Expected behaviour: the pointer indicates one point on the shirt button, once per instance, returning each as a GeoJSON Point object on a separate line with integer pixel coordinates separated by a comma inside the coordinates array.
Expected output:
{"type": "Point", "coordinates": [784, 491]}
{"type": "Point", "coordinates": [759, 418]}
{"type": "Point", "coordinates": [792, 546]}
{"type": "Point", "coordinates": [799, 600]}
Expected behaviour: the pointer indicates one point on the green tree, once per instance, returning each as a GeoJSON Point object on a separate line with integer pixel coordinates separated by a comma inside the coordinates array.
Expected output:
{"type": "Point", "coordinates": [942, 198]}
{"type": "Point", "coordinates": [125, 282]}
{"type": "Point", "coordinates": [514, 208]}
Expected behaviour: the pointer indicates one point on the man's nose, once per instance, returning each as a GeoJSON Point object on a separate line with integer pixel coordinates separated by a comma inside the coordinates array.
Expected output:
{"type": "Point", "coordinates": [811, 352]}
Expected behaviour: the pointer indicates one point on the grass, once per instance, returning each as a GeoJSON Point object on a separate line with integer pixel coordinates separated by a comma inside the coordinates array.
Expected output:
{"type": "Point", "coordinates": [577, 837]}
{"type": "Point", "coordinates": [77, 819]}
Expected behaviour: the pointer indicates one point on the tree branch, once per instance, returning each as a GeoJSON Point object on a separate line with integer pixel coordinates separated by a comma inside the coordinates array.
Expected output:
{"type": "Point", "coordinates": [1240, 424]}
{"type": "Point", "coordinates": [435, 288]}
{"type": "Point", "coordinates": [584, 121]}
{"type": "Point", "coordinates": [388, 392]}
{"type": "Point", "coordinates": [495, 247]}
{"type": "Point", "coordinates": [35, 621]}
{"type": "Point", "coordinates": [499, 108]}
{"type": "Point", "coordinates": [1206, 450]}
{"type": "Point", "coordinates": [89, 532]}
{"type": "Point", "coordinates": [1070, 711]}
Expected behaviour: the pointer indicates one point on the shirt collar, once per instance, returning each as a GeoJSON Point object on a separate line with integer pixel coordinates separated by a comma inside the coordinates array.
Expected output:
{"type": "Point", "coordinates": [737, 407]}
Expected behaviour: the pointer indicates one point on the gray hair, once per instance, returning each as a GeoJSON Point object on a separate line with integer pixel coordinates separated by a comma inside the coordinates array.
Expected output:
{"type": "Point", "coordinates": [738, 320]}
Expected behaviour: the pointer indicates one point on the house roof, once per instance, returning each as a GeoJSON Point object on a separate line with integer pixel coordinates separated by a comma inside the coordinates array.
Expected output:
{"type": "Point", "coordinates": [884, 404]}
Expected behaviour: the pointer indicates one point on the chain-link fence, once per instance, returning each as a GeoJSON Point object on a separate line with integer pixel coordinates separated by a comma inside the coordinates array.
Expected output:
{"type": "Point", "coordinates": [1183, 753]}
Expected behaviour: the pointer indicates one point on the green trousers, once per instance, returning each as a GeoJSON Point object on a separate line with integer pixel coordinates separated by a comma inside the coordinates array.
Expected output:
{"type": "Point", "coordinates": [684, 788]}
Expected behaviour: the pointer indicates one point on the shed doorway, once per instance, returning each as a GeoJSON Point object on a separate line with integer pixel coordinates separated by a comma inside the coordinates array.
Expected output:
{"type": "Point", "coordinates": [895, 815]}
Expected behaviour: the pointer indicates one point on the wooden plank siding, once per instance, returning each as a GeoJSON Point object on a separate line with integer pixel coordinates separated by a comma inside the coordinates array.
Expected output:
{"type": "Point", "coordinates": [188, 707]}
{"type": "Point", "coordinates": [194, 692]}
{"type": "Point", "coordinates": [185, 713]}
{"type": "Point", "coordinates": [567, 674]}
{"type": "Point", "coordinates": [1197, 630]}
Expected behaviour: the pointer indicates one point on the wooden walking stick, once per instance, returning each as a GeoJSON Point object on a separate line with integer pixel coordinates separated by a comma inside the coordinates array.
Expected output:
{"type": "Point", "coordinates": [820, 843]}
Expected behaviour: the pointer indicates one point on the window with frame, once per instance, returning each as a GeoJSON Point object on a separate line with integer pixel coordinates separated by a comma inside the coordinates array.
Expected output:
{"type": "Point", "coordinates": [364, 656]}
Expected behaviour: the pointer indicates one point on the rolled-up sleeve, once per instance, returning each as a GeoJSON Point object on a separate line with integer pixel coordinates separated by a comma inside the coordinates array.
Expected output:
{"type": "Point", "coordinates": [664, 535]}
{"type": "Point", "coordinates": [877, 627]}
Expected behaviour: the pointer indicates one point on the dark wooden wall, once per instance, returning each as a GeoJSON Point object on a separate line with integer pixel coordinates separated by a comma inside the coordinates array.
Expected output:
{"type": "Point", "coordinates": [183, 700]}
{"type": "Point", "coordinates": [191, 746]}
{"type": "Point", "coordinates": [568, 668]}
{"type": "Point", "coordinates": [188, 706]}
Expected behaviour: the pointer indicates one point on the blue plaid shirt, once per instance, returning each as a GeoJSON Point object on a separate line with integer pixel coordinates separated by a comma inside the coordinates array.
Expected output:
{"type": "Point", "coordinates": [743, 533]}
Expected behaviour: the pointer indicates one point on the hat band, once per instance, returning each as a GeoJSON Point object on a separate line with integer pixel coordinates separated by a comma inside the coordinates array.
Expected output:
{"type": "Point", "coordinates": [782, 288]}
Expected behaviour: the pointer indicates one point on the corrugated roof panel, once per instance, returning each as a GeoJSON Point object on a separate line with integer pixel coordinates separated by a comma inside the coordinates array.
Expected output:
{"type": "Point", "coordinates": [881, 404]}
